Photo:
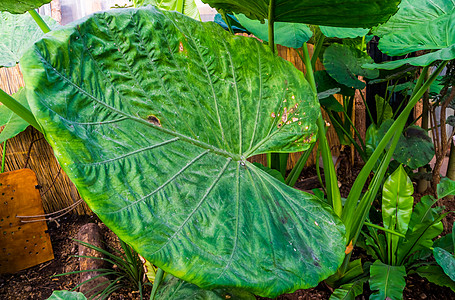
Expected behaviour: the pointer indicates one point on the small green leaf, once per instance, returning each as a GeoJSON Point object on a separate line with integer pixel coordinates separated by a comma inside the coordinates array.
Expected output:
{"type": "Point", "coordinates": [387, 282]}
{"type": "Point", "coordinates": [291, 35]}
{"type": "Point", "coordinates": [66, 295]}
{"type": "Point", "coordinates": [344, 64]}
{"type": "Point", "coordinates": [18, 33]}
{"type": "Point", "coordinates": [348, 291]}
{"type": "Point", "coordinates": [325, 82]}
{"type": "Point", "coordinates": [12, 122]}
{"type": "Point", "coordinates": [188, 7]}
{"type": "Point", "coordinates": [272, 172]}
{"type": "Point", "coordinates": [415, 148]}
{"type": "Point", "coordinates": [22, 6]}
{"type": "Point", "coordinates": [436, 275]}
{"type": "Point", "coordinates": [446, 187]}
{"type": "Point", "coordinates": [342, 33]}
{"type": "Point", "coordinates": [383, 110]}
{"type": "Point", "coordinates": [446, 260]}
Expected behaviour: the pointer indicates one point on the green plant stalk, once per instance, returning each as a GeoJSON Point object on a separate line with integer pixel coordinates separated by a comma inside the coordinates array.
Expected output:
{"type": "Point", "coordinates": [318, 172]}
{"type": "Point", "coordinates": [272, 25]}
{"type": "Point", "coordinates": [331, 182]}
{"type": "Point", "coordinates": [316, 50]}
{"type": "Point", "coordinates": [3, 157]}
{"type": "Point", "coordinates": [228, 23]}
{"type": "Point", "coordinates": [350, 207]}
{"type": "Point", "coordinates": [384, 229]}
{"type": "Point", "coordinates": [180, 6]}
{"type": "Point", "coordinates": [44, 27]}
{"type": "Point", "coordinates": [156, 283]}
{"type": "Point", "coordinates": [19, 109]}
{"type": "Point", "coordinates": [295, 172]}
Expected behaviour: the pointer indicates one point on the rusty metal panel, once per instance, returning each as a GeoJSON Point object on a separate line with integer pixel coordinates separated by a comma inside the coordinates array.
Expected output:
{"type": "Point", "coordinates": [22, 245]}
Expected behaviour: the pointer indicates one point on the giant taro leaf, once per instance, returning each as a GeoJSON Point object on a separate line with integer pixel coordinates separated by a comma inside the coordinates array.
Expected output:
{"type": "Point", "coordinates": [18, 33]}
{"type": "Point", "coordinates": [419, 25]}
{"type": "Point", "coordinates": [22, 6]}
{"type": "Point", "coordinates": [153, 114]}
{"type": "Point", "coordinates": [339, 13]}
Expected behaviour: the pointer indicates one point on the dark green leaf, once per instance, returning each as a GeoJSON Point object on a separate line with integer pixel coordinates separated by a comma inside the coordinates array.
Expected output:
{"type": "Point", "coordinates": [342, 33]}
{"type": "Point", "coordinates": [177, 289]}
{"type": "Point", "coordinates": [325, 82]}
{"type": "Point", "coordinates": [445, 242]}
{"type": "Point", "coordinates": [331, 103]}
{"type": "Point", "coordinates": [12, 122]}
{"type": "Point", "coordinates": [436, 275]}
{"type": "Point", "coordinates": [350, 13]}
{"type": "Point", "coordinates": [445, 187]}
{"type": "Point", "coordinates": [18, 33]}
{"type": "Point", "coordinates": [235, 25]}
{"type": "Point", "coordinates": [451, 121]}
{"type": "Point", "coordinates": [387, 281]}
{"type": "Point", "coordinates": [328, 93]}
{"type": "Point", "coordinates": [188, 7]}
{"type": "Point", "coordinates": [383, 110]}
{"type": "Point", "coordinates": [291, 35]}
{"type": "Point", "coordinates": [348, 291]}
{"type": "Point", "coordinates": [415, 148]}
{"type": "Point", "coordinates": [272, 172]}
{"type": "Point", "coordinates": [344, 64]}
{"type": "Point", "coordinates": [446, 260]}
{"type": "Point", "coordinates": [152, 115]}
{"type": "Point", "coordinates": [66, 295]}
{"type": "Point", "coordinates": [22, 6]}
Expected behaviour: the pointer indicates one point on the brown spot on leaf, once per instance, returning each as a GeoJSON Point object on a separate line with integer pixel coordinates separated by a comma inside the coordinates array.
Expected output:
{"type": "Point", "coordinates": [181, 47]}
{"type": "Point", "coordinates": [154, 120]}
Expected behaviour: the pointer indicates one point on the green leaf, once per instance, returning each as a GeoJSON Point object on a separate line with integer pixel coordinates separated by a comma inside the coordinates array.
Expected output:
{"type": "Point", "coordinates": [177, 289]}
{"type": "Point", "coordinates": [342, 33]}
{"type": "Point", "coordinates": [397, 201]}
{"type": "Point", "coordinates": [350, 13]}
{"type": "Point", "coordinates": [272, 172]}
{"type": "Point", "coordinates": [291, 35]}
{"type": "Point", "coordinates": [325, 82]}
{"type": "Point", "coordinates": [66, 295]}
{"type": "Point", "coordinates": [424, 226]}
{"type": "Point", "coordinates": [383, 110]}
{"type": "Point", "coordinates": [446, 261]}
{"type": "Point", "coordinates": [20, 7]}
{"type": "Point", "coordinates": [344, 64]}
{"type": "Point", "coordinates": [152, 115]}
{"type": "Point", "coordinates": [12, 122]}
{"type": "Point", "coordinates": [235, 25]}
{"type": "Point", "coordinates": [188, 7]}
{"type": "Point", "coordinates": [415, 148]}
{"type": "Point", "coordinates": [418, 25]}
{"type": "Point", "coordinates": [348, 291]}
{"type": "Point", "coordinates": [445, 187]}
{"type": "Point", "coordinates": [436, 275]}
{"type": "Point", "coordinates": [18, 33]}
{"type": "Point", "coordinates": [387, 281]}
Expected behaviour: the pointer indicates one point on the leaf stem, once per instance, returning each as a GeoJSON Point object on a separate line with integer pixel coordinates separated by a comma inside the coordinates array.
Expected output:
{"type": "Point", "coordinates": [19, 109]}
{"type": "Point", "coordinates": [156, 283]}
{"type": "Point", "coordinates": [3, 157]}
{"type": "Point", "coordinates": [384, 229]}
{"type": "Point", "coordinates": [44, 27]}
{"type": "Point", "coordinates": [271, 20]}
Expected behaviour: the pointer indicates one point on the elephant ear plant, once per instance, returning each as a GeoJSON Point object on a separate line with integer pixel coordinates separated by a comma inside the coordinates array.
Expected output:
{"type": "Point", "coordinates": [153, 116]}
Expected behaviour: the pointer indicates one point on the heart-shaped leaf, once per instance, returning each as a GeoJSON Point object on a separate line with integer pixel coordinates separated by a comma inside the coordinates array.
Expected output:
{"type": "Point", "coordinates": [22, 6]}
{"type": "Point", "coordinates": [347, 13]}
{"type": "Point", "coordinates": [419, 25]}
{"type": "Point", "coordinates": [344, 64]}
{"type": "Point", "coordinates": [153, 114]}
{"type": "Point", "coordinates": [291, 35]}
{"type": "Point", "coordinates": [415, 148]}
{"type": "Point", "coordinates": [18, 33]}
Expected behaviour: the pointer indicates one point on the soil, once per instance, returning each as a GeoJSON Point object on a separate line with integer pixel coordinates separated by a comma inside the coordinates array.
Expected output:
{"type": "Point", "coordinates": [37, 282]}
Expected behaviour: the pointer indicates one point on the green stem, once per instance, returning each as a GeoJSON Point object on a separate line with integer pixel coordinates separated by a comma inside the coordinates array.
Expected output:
{"type": "Point", "coordinates": [180, 6]}
{"type": "Point", "coordinates": [228, 23]}
{"type": "Point", "coordinates": [384, 229]}
{"type": "Point", "coordinates": [297, 169]}
{"type": "Point", "coordinates": [156, 283]}
{"type": "Point", "coordinates": [316, 50]}
{"type": "Point", "coordinates": [271, 21]}
{"type": "Point", "coordinates": [331, 182]}
{"type": "Point", "coordinates": [19, 109]}
{"type": "Point", "coordinates": [3, 157]}
{"type": "Point", "coordinates": [39, 21]}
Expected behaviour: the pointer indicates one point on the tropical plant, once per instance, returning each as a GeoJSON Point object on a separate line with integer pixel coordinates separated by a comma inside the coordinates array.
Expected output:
{"type": "Point", "coordinates": [153, 116]}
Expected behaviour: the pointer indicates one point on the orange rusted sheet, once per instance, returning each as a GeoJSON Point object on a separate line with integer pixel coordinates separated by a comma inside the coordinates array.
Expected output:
{"type": "Point", "coordinates": [22, 245]}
